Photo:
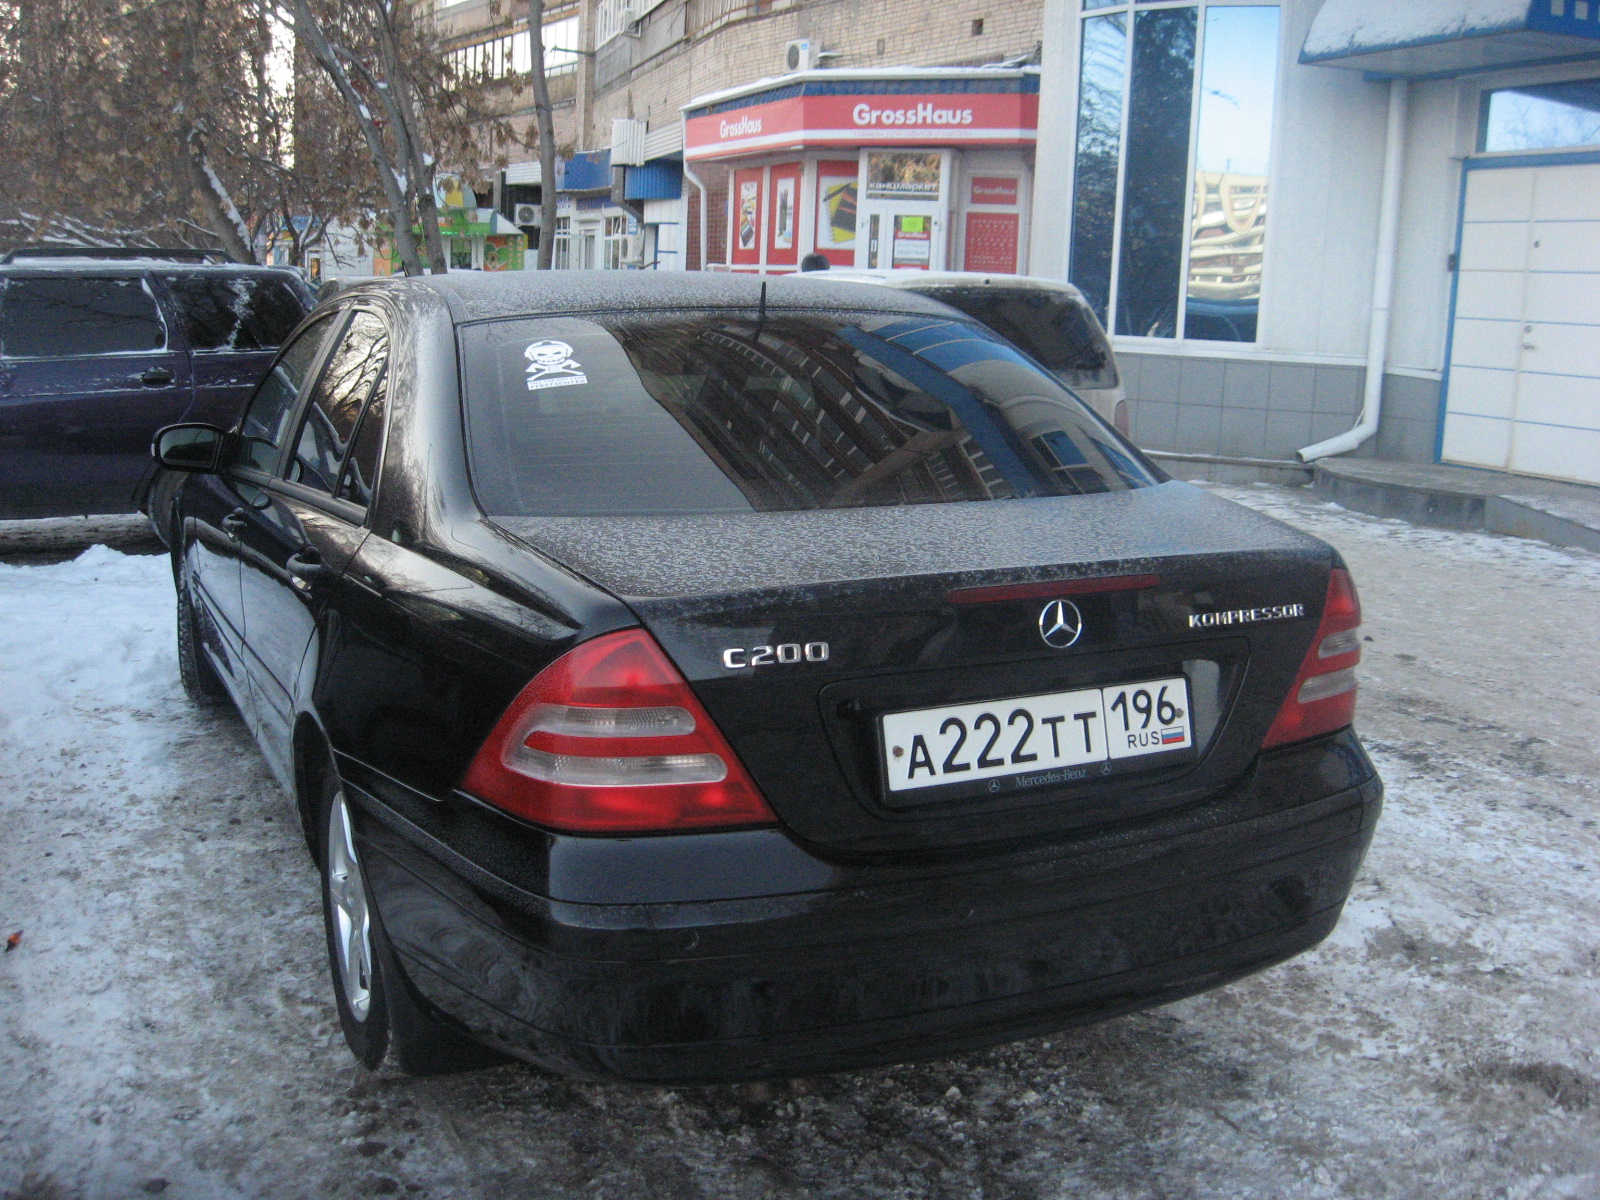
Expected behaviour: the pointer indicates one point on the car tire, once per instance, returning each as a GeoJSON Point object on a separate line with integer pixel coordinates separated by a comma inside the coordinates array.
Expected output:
{"type": "Point", "coordinates": [379, 1012]}
{"type": "Point", "coordinates": [201, 683]}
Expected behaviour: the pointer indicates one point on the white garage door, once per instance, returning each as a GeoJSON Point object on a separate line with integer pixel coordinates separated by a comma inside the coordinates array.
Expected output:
{"type": "Point", "coordinates": [1525, 360]}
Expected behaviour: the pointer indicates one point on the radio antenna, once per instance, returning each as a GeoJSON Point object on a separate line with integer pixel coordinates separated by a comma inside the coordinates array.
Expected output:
{"type": "Point", "coordinates": [761, 312]}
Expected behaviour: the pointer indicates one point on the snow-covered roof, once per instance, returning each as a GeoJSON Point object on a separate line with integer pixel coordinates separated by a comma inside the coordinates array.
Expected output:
{"type": "Point", "coordinates": [1449, 37]}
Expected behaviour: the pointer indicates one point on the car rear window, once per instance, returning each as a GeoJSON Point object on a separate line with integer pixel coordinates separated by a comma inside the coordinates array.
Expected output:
{"type": "Point", "coordinates": [1056, 328]}
{"type": "Point", "coordinates": [235, 312]}
{"type": "Point", "coordinates": [74, 317]}
{"type": "Point", "coordinates": [702, 412]}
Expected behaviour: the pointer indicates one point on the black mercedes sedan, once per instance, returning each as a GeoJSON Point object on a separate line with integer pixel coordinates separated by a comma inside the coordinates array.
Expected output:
{"type": "Point", "coordinates": [689, 678]}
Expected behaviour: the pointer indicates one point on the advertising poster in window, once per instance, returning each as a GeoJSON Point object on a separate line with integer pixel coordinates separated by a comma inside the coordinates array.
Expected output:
{"type": "Point", "coordinates": [897, 175]}
{"type": "Point", "coordinates": [836, 212]}
{"type": "Point", "coordinates": [913, 242]}
{"type": "Point", "coordinates": [749, 213]}
{"type": "Point", "coordinates": [783, 213]}
{"type": "Point", "coordinates": [746, 218]}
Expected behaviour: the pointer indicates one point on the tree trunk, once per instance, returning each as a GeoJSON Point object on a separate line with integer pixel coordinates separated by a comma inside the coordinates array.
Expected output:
{"type": "Point", "coordinates": [222, 216]}
{"type": "Point", "coordinates": [307, 28]}
{"type": "Point", "coordinates": [546, 119]}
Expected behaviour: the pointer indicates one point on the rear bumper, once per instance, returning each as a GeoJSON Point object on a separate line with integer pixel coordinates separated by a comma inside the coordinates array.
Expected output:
{"type": "Point", "coordinates": [883, 966]}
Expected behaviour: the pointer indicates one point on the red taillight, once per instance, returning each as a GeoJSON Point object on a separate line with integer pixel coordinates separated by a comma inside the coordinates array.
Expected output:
{"type": "Point", "coordinates": [1323, 698]}
{"type": "Point", "coordinates": [609, 739]}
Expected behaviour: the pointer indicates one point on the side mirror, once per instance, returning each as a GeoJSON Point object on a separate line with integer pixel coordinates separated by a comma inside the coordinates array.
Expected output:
{"type": "Point", "coordinates": [191, 447]}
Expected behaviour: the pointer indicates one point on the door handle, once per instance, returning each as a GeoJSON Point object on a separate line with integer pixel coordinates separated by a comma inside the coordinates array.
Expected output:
{"type": "Point", "coordinates": [233, 523]}
{"type": "Point", "coordinates": [156, 377]}
{"type": "Point", "coordinates": [307, 570]}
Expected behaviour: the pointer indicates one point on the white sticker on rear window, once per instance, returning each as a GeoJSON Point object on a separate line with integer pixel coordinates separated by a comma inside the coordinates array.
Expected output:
{"type": "Point", "coordinates": [550, 364]}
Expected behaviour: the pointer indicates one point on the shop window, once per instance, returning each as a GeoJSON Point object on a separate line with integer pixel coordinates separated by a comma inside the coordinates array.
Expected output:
{"type": "Point", "coordinates": [1543, 116]}
{"type": "Point", "coordinates": [1168, 213]}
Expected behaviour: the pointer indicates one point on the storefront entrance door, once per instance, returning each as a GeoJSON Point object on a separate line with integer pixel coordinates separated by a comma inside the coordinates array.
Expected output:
{"type": "Point", "coordinates": [903, 210]}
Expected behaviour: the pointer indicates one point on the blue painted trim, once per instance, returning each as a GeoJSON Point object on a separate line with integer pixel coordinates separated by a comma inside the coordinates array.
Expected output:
{"type": "Point", "coordinates": [1024, 85]}
{"type": "Point", "coordinates": [1541, 158]}
{"type": "Point", "coordinates": [1450, 328]}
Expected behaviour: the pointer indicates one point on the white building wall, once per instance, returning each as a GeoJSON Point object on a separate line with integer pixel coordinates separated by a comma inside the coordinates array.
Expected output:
{"type": "Point", "coordinates": [1322, 219]}
{"type": "Point", "coordinates": [1302, 380]}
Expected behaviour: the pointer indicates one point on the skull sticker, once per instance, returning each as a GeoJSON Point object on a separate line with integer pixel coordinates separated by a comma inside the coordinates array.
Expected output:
{"type": "Point", "coordinates": [550, 364]}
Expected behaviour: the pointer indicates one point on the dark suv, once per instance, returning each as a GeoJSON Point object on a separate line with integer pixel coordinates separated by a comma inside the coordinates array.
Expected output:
{"type": "Point", "coordinates": [101, 348]}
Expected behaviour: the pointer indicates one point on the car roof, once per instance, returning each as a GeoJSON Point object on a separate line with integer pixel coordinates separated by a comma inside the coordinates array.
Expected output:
{"type": "Point", "coordinates": [135, 266]}
{"type": "Point", "coordinates": [917, 281]}
{"type": "Point", "coordinates": [484, 296]}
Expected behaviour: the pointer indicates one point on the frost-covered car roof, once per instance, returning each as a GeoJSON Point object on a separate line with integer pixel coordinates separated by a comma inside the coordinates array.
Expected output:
{"type": "Point", "coordinates": [486, 296]}
{"type": "Point", "coordinates": [136, 266]}
{"type": "Point", "coordinates": [914, 280]}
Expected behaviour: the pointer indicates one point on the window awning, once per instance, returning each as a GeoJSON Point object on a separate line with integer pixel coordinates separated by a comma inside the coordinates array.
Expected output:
{"type": "Point", "coordinates": [1440, 39]}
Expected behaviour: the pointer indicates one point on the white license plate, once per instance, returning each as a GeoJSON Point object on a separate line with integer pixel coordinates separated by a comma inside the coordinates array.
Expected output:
{"type": "Point", "coordinates": [1036, 735]}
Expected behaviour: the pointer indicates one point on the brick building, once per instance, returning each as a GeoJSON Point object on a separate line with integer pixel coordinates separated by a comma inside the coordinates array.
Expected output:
{"type": "Point", "coordinates": [628, 71]}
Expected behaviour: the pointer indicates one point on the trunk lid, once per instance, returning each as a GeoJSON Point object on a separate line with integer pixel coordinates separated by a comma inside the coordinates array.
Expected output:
{"type": "Point", "coordinates": [874, 585]}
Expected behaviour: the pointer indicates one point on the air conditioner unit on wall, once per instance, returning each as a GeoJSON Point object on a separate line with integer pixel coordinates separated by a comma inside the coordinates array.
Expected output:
{"type": "Point", "coordinates": [526, 214]}
{"type": "Point", "coordinates": [800, 55]}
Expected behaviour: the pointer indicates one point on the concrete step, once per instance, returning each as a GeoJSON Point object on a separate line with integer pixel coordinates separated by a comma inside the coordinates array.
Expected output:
{"type": "Point", "coordinates": [1445, 497]}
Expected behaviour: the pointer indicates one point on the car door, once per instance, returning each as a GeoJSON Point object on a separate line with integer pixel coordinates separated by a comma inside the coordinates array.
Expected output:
{"type": "Point", "coordinates": [216, 506]}
{"type": "Point", "coordinates": [88, 373]}
{"type": "Point", "coordinates": [294, 544]}
{"type": "Point", "coordinates": [234, 322]}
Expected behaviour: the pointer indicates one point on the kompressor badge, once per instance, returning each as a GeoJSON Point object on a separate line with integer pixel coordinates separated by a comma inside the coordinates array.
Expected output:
{"type": "Point", "coordinates": [1246, 616]}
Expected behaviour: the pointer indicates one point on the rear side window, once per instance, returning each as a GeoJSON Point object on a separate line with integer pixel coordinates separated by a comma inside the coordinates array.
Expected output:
{"type": "Point", "coordinates": [360, 477]}
{"type": "Point", "coordinates": [727, 412]}
{"type": "Point", "coordinates": [74, 317]}
{"type": "Point", "coordinates": [337, 401]}
{"type": "Point", "coordinates": [1055, 328]}
{"type": "Point", "coordinates": [235, 312]}
{"type": "Point", "coordinates": [266, 421]}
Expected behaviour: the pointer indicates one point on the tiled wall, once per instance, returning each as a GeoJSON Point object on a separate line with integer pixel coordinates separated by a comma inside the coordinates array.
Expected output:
{"type": "Point", "coordinates": [1256, 409]}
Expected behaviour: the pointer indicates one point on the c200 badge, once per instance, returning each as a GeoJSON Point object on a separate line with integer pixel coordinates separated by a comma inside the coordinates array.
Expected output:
{"type": "Point", "coordinates": [736, 658]}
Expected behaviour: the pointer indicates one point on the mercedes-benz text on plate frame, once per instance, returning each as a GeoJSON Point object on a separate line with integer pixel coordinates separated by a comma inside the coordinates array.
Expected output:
{"type": "Point", "coordinates": [931, 746]}
{"type": "Point", "coordinates": [1060, 624]}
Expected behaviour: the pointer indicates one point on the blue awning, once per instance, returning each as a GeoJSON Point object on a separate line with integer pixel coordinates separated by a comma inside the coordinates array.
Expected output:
{"type": "Point", "coordinates": [658, 180]}
{"type": "Point", "coordinates": [587, 171]}
{"type": "Point", "coordinates": [1440, 39]}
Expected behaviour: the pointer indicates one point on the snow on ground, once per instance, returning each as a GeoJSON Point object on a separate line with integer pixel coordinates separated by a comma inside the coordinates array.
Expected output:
{"type": "Point", "coordinates": [167, 1028]}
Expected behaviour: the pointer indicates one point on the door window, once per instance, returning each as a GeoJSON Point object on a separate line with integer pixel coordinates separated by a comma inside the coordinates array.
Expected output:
{"type": "Point", "coordinates": [266, 420]}
{"type": "Point", "coordinates": [235, 312]}
{"type": "Point", "coordinates": [360, 478]}
{"type": "Point", "coordinates": [336, 403]}
{"type": "Point", "coordinates": [73, 317]}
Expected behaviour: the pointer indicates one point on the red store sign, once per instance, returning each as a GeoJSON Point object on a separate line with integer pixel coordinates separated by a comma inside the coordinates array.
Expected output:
{"type": "Point", "coordinates": [962, 119]}
{"type": "Point", "coordinates": [994, 189]}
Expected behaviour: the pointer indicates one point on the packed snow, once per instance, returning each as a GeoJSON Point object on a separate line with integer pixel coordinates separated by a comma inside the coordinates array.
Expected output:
{"type": "Point", "coordinates": [169, 1031]}
{"type": "Point", "coordinates": [1359, 26]}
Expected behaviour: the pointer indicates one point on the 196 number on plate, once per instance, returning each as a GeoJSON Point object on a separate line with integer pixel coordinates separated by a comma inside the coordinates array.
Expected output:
{"type": "Point", "coordinates": [1035, 734]}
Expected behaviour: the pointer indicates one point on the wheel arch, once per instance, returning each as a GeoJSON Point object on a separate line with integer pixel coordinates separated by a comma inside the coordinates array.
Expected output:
{"type": "Point", "coordinates": [312, 762]}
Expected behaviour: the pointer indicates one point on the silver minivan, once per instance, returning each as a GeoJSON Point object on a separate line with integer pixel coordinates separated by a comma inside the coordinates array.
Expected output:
{"type": "Point", "coordinates": [1048, 318]}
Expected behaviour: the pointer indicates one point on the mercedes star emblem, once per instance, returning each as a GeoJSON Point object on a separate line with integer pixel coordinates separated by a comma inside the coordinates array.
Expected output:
{"type": "Point", "coordinates": [1060, 624]}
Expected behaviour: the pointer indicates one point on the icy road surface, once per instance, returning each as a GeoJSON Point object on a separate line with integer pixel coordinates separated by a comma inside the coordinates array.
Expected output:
{"type": "Point", "coordinates": [166, 1027]}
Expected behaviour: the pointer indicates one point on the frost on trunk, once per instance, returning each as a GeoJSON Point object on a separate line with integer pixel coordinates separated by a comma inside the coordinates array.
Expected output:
{"type": "Point", "coordinates": [222, 215]}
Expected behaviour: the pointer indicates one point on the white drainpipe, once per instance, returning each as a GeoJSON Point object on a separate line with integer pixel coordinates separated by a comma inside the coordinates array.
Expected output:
{"type": "Point", "coordinates": [1394, 161]}
{"type": "Point", "coordinates": [688, 173]}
